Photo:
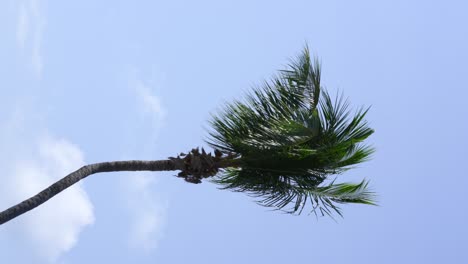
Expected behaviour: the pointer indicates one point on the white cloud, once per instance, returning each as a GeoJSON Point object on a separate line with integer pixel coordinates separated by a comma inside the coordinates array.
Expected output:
{"type": "Point", "coordinates": [29, 32]}
{"type": "Point", "coordinates": [29, 164]}
{"type": "Point", "coordinates": [52, 228]}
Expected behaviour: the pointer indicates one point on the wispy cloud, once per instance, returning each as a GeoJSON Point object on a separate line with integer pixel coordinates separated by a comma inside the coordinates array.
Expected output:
{"type": "Point", "coordinates": [30, 26]}
{"type": "Point", "coordinates": [147, 209]}
{"type": "Point", "coordinates": [30, 163]}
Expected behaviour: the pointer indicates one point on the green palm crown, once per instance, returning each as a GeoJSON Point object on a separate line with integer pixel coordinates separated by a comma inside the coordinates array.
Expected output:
{"type": "Point", "coordinates": [287, 137]}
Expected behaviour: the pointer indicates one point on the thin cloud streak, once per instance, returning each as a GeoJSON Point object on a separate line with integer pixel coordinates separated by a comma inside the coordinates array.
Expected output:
{"type": "Point", "coordinates": [151, 103]}
{"type": "Point", "coordinates": [29, 33]}
{"type": "Point", "coordinates": [22, 29]}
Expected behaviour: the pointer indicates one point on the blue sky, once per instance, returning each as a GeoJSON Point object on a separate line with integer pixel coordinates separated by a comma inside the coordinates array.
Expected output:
{"type": "Point", "coordinates": [90, 81]}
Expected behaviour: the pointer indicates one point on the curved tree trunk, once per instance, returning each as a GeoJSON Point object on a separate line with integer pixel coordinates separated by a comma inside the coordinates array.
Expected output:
{"type": "Point", "coordinates": [83, 172]}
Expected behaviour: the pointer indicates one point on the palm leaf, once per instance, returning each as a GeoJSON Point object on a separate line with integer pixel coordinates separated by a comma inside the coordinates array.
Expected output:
{"type": "Point", "coordinates": [289, 137]}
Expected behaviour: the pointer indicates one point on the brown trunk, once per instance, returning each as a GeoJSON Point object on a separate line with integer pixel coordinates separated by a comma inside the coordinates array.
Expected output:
{"type": "Point", "coordinates": [83, 172]}
{"type": "Point", "coordinates": [193, 166]}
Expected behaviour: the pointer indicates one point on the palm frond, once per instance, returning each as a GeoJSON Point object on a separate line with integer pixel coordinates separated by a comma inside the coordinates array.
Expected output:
{"type": "Point", "coordinates": [290, 136]}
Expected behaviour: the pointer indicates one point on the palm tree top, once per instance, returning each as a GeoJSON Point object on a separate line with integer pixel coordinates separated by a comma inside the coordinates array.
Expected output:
{"type": "Point", "coordinates": [281, 144]}
{"type": "Point", "coordinates": [288, 137]}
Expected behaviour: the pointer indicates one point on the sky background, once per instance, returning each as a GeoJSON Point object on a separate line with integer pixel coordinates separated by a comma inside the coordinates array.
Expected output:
{"type": "Point", "coordinates": [90, 81]}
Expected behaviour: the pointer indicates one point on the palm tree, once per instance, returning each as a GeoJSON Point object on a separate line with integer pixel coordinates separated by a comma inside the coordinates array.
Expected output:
{"type": "Point", "coordinates": [280, 144]}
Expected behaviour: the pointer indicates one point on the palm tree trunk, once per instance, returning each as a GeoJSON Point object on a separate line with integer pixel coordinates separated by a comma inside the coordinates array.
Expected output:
{"type": "Point", "coordinates": [83, 172]}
